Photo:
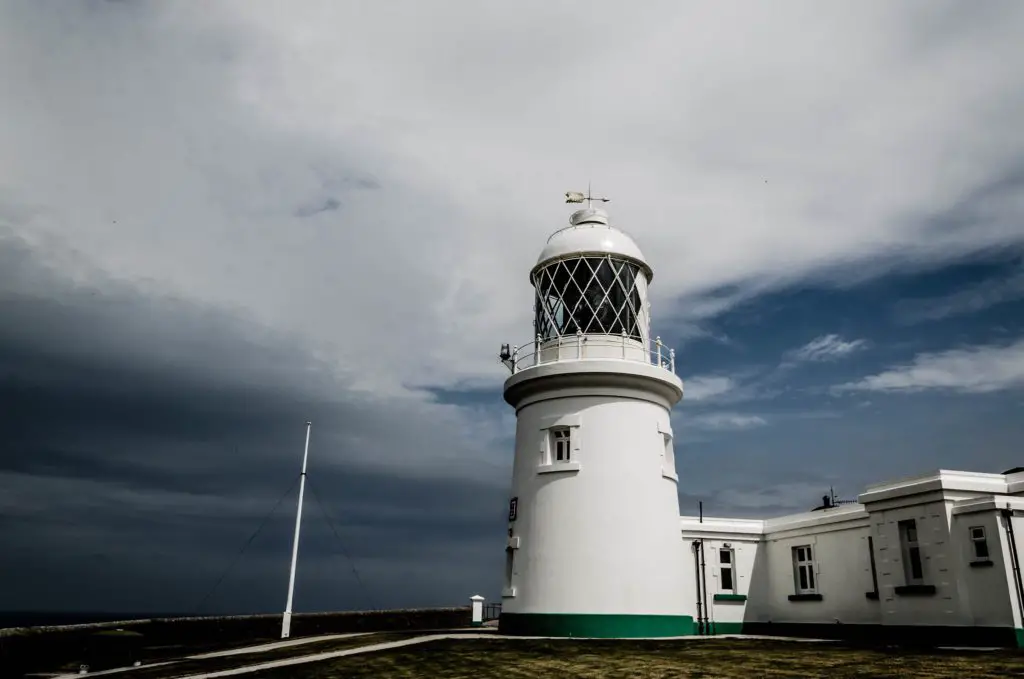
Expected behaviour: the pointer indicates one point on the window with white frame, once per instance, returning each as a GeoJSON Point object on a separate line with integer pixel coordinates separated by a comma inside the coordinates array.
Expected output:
{"type": "Point", "coordinates": [979, 542]}
{"type": "Point", "coordinates": [510, 557]}
{"type": "Point", "coordinates": [561, 444]}
{"type": "Point", "coordinates": [726, 574]}
{"type": "Point", "coordinates": [803, 570]}
{"type": "Point", "coordinates": [669, 454]}
{"type": "Point", "coordinates": [913, 569]}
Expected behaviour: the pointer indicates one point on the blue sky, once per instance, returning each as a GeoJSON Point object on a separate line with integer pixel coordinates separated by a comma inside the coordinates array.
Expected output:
{"type": "Point", "coordinates": [220, 221]}
{"type": "Point", "coordinates": [784, 416]}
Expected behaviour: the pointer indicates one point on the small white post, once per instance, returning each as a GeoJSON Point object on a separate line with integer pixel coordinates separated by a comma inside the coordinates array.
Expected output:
{"type": "Point", "coordinates": [478, 610]}
{"type": "Point", "coordinates": [623, 344]}
{"type": "Point", "coordinates": [286, 622]}
{"type": "Point", "coordinates": [536, 348]}
{"type": "Point", "coordinates": [672, 360]}
{"type": "Point", "coordinates": [579, 344]}
{"type": "Point", "coordinates": [657, 341]}
{"type": "Point", "coordinates": [515, 358]}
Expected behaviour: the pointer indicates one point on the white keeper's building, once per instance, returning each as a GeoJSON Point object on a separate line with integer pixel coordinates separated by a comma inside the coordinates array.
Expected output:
{"type": "Point", "coordinates": [596, 546]}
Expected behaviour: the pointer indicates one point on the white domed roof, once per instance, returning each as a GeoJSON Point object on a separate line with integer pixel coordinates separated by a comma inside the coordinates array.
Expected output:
{"type": "Point", "coordinates": [590, 233]}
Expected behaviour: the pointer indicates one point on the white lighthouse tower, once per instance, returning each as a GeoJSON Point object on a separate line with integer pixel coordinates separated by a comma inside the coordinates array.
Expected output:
{"type": "Point", "coordinates": [594, 546]}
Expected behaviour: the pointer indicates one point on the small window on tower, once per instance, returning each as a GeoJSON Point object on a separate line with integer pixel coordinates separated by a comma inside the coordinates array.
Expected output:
{"type": "Point", "coordinates": [669, 454]}
{"type": "Point", "coordinates": [560, 444]}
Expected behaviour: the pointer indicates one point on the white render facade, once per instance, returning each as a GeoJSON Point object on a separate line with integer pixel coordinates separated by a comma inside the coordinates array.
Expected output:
{"type": "Point", "coordinates": [593, 534]}
{"type": "Point", "coordinates": [934, 559]}
{"type": "Point", "coordinates": [595, 544]}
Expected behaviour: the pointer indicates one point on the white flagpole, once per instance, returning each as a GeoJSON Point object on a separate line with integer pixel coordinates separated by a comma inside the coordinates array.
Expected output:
{"type": "Point", "coordinates": [286, 622]}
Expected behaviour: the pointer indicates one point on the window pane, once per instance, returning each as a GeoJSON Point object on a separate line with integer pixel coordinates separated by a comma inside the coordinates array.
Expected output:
{"type": "Point", "coordinates": [727, 578]}
{"type": "Point", "coordinates": [725, 556]}
{"type": "Point", "coordinates": [588, 294]}
{"type": "Point", "coordinates": [810, 576]}
{"type": "Point", "coordinates": [509, 562]}
{"type": "Point", "coordinates": [915, 563]}
{"type": "Point", "coordinates": [978, 533]}
{"type": "Point", "coordinates": [981, 549]}
{"type": "Point", "coordinates": [803, 577]}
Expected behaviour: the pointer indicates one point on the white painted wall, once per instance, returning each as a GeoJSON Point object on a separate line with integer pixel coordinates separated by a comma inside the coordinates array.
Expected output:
{"type": "Point", "coordinates": [602, 535]}
{"type": "Point", "coordinates": [940, 562]}
{"type": "Point", "coordinates": [1017, 521]}
{"type": "Point", "coordinates": [986, 592]}
{"type": "Point", "coordinates": [964, 596]}
{"type": "Point", "coordinates": [744, 553]}
{"type": "Point", "coordinates": [842, 570]}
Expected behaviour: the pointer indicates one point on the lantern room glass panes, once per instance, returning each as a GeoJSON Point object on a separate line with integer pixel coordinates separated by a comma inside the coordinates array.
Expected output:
{"type": "Point", "coordinates": [592, 295]}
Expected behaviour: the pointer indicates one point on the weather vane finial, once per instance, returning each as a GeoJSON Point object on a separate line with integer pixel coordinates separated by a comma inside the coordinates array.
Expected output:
{"type": "Point", "coordinates": [579, 197]}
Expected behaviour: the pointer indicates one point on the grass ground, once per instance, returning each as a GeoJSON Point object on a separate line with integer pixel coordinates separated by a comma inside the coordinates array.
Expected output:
{"type": "Point", "coordinates": [594, 659]}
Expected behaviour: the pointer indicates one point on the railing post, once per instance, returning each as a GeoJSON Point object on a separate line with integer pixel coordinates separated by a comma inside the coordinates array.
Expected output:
{"type": "Point", "coordinates": [515, 358]}
{"type": "Point", "coordinates": [657, 341]}
{"type": "Point", "coordinates": [536, 349]}
{"type": "Point", "coordinates": [579, 344]}
{"type": "Point", "coordinates": [672, 360]}
{"type": "Point", "coordinates": [623, 344]}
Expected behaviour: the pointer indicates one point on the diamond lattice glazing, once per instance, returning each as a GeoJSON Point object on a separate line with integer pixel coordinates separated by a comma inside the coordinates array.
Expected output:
{"type": "Point", "coordinates": [592, 295]}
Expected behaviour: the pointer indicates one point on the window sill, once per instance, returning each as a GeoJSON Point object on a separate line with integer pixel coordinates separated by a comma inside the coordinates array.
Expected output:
{"type": "Point", "coordinates": [805, 597]}
{"type": "Point", "coordinates": [982, 563]}
{"type": "Point", "coordinates": [670, 475]}
{"type": "Point", "coordinates": [557, 467]}
{"type": "Point", "coordinates": [508, 593]}
{"type": "Point", "coordinates": [730, 597]}
{"type": "Point", "coordinates": [871, 595]}
{"type": "Point", "coordinates": [915, 590]}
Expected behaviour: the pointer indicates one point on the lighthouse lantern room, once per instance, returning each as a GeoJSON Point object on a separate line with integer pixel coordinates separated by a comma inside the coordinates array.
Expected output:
{"type": "Point", "coordinates": [594, 546]}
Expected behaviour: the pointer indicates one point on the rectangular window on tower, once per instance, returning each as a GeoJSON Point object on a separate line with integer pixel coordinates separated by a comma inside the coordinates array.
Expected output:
{"type": "Point", "coordinates": [509, 589]}
{"type": "Point", "coordinates": [561, 444]}
{"type": "Point", "coordinates": [913, 569]}
{"type": "Point", "coordinates": [669, 454]}
{"type": "Point", "coordinates": [726, 579]}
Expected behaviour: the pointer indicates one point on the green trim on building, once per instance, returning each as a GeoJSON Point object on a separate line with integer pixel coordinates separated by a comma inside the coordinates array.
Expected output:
{"type": "Point", "coordinates": [603, 626]}
{"type": "Point", "coordinates": [1020, 637]}
{"type": "Point", "coordinates": [730, 597]}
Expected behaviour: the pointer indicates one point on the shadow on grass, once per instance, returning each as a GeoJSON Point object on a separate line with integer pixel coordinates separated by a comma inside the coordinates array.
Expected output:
{"type": "Point", "coordinates": [597, 659]}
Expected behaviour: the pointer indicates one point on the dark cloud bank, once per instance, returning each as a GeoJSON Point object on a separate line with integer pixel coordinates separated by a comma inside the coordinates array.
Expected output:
{"type": "Point", "coordinates": [143, 439]}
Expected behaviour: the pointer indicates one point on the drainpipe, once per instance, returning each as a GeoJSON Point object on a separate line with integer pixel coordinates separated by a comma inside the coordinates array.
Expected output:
{"type": "Point", "coordinates": [704, 576]}
{"type": "Point", "coordinates": [1014, 561]}
{"type": "Point", "coordinates": [696, 575]}
{"type": "Point", "coordinates": [704, 589]}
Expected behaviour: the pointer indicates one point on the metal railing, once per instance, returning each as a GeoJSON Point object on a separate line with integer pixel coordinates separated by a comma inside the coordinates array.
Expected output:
{"type": "Point", "coordinates": [580, 347]}
{"type": "Point", "coordinates": [491, 611]}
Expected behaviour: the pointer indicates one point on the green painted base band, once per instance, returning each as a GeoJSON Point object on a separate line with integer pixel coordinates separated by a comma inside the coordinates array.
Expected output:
{"type": "Point", "coordinates": [730, 597]}
{"type": "Point", "coordinates": [608, 626]}
{"type": "Point", "coordinates": [1020, 638]}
